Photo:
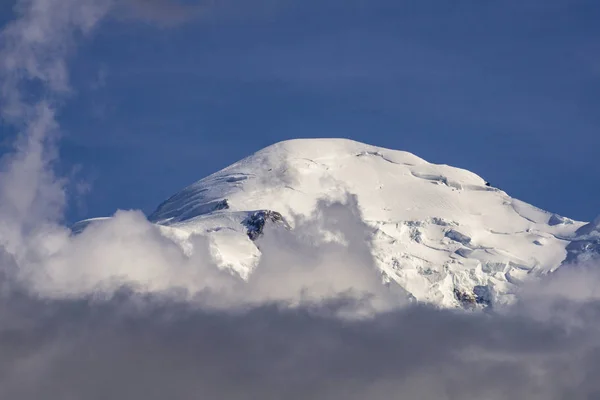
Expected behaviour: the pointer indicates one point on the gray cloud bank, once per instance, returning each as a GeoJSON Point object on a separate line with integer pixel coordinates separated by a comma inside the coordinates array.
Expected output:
{"type": "Point", "coordinates": [155, 347]}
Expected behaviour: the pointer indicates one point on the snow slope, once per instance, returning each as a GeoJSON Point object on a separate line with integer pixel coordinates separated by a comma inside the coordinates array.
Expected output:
{"type": "Point", "coordinates": [442, 233]}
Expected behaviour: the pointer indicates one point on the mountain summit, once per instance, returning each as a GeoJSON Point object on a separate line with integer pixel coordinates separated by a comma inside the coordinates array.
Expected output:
{"type": "Point", "coordinates": [443, 234]}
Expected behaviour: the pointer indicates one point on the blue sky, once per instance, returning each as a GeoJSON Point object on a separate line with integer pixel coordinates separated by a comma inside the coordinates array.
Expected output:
{"type": "Point", "coordinates": [507, 89]}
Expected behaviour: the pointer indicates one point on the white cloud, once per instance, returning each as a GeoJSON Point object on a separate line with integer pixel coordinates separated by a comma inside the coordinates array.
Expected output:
{"type": "Point", "coordinates": [300, 266]}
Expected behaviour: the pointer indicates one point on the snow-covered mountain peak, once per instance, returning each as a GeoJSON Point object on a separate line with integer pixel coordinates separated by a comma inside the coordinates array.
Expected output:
{"type": "Point", "coordinates": [442, 233]}
{"type": "Point", "coordinates": [314, 168]}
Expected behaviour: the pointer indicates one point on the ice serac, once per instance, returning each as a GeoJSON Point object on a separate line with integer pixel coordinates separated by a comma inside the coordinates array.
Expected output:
{"type": "Point", "coordinates": [585, 245]}
{"type": "Point", "coordinates": [441, 233]}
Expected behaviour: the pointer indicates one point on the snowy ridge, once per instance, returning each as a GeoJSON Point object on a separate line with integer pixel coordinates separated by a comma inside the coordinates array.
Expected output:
{"type": "Point", "coordinates": [442, 233]}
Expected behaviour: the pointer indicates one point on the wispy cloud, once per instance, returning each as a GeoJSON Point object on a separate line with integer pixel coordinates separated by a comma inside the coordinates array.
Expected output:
{"type": "Point", "coordinates": [34, 50]}
{"type": "Point", "coordinates": [165, 12]}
